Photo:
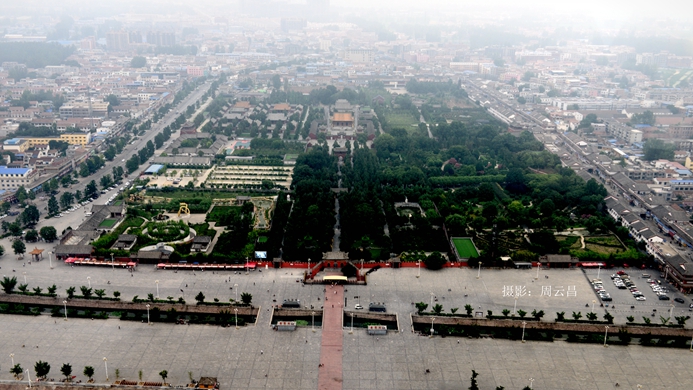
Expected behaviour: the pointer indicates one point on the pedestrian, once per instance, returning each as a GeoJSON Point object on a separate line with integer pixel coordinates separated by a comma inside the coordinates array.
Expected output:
{"type": "Point", "coordinates": [262, 352]}
{"type": "Point", "coordinates": [332, 305]}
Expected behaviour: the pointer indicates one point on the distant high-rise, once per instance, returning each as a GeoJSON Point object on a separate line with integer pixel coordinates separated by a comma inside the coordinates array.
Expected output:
{"type": "Point", "coordinates": [117, 40]}
{"type": "Point", "coordinates": [159, 38]}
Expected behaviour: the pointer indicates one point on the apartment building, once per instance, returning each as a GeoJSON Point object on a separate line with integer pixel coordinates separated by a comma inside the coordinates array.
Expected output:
{"type": "Point", "coordinates": [13, 178]}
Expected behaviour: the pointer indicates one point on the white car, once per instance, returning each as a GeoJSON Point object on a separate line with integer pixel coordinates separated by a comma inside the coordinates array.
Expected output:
{"type": "Point", "coordinates": [640, 298]}
{"type": "Point", "coordinates": [358, 307]}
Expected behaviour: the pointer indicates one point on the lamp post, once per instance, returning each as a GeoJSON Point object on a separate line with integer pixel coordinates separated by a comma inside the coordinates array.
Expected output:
{"type": "Point", "coordinates": [236, 311]}
{"type": "Point", "coordinates": [89, 281]}
{"type": "Point", "coordinates": [419, 264]}
{"type": "Point", "coordinates": [666, 272]}
{"type": "Point", "coordinates": [671, 310]}
{"type": "Point", "coordinates": [24, 273]}
{"type": "Point", "coordinates": [65, 308]}
{"type": "Point", "coordinates": [235, 287]}
{"type": "Point", "coordinates": [606, 334]}
{"type": "Point", "coordinates": [599, 268]}
{"type": "Point", "coordinates": [112, 263]}
{"type": "Point", "coordinates": [531, 383]}
{"type": "Point", "coordinates": [478, 274]}
{"type": "Point", "coordinates": [352, 331]}
{"type": "Point", "coordinates": [593, 302]}
{"type": "Point", "coordinates": [12, 355]}
{"type": "Point", "coordinates": [157, 289]}
{"type": "Point", "coordinates": [431, 335]}
{"type": "Point", "coordinates": [432, 295]}
{"type": "Point", "coordinates": [538, 266]}
{"type": "Point", "coordinates": [515, 307]}
{"type": "Point", "coordinates": [246, 266]}
{"type": "Point", "coordinates": [313, 316]}
{"type": "Point", "coordinates": [28, 376]}
{"type": "Point", "coordinates": [105, 363]}
{"type": "Point", "coordinates": [148, 323]}
{"type": "Point", "coordinates": [523, 330]}
{"type": "Point", "coordinates": [50, 259]}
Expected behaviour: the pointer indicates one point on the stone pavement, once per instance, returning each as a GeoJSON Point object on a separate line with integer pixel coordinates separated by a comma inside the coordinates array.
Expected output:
{"type": "Point", "coordinates": [330, 376]}
{"type": "Point", "coordinates": [241, 358]}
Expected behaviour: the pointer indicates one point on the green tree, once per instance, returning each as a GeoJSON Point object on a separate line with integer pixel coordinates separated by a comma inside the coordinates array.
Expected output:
{"type": "Point", "coordinates": [164, 374]}
{"type": "Point", "coordinates": [8, 284]}
{"type": "Point", "coordinates": [66, 370]}
{"type": "Point", "coordinates": [86, 291]}
{"type": "Point", "coordinates": [31, 235]}
{"type": "Point", "coordinates": [246, 298]}
{"type": "Point", "coordinates": [421, 307]}
{"type": "Point", "coordinates": [655, 149]}
{"type": "Point", "coordinates": [521, 100]}
{"type": "Point", "coordinates": [200, 297]}
{"type": "Point", "coordinates": [90, 190]}
{"type": "Point", "coordinates": [435, 261]}
{"type": "Point", "coordinates": [42, 369]}
{"type": "Point", "coordinates": [18, 247]}
{"type": "Point", "coordinates": [577, 316]}
{"type": "Point", "coordinates": [587, 121]}
{"type": "Point", "coordinates": [21, 194]}
{"type": "Point", "coordinates": [437, 308]}
{"type": "Point", "coordinates": [591, 316]}
{"type": "Point", "coordinates": [30, 215]}
{"type": "Point", "coordinates": [71, 292]}
{"type": "Point", "coordinates": [521, 313]}
{"type": "Point", "coordinates": [48, 233]}
{"type": "Point", "coordinates": [469, 309]}
{"type": "Point", "coordinates": [16, 370]}
{"type": "Point", "coordinates": [100, 293]}
{"type": "Point", "coordinates": [138, 62]}
{"type": "Point", "coordinates": [66, 199]}
{"type": "Point", "coordinates": [88, 372]}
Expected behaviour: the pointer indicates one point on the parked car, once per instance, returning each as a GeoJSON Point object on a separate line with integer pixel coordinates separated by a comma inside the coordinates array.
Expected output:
{"type": "Point", "coordinates": [679, 300]}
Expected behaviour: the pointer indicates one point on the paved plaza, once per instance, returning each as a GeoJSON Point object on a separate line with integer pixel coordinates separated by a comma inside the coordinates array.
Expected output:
{"type": "Point", "coordinates": [256, 357]}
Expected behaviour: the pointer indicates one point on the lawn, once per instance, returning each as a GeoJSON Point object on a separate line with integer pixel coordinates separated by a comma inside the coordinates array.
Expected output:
{"type": "Point", "coordinates": [465, 248]}
{"type": "Point", "coordinates": [108, 223]}
{"type": "Point", "coordinates": [219, 212]}
{"type": "Point", "coordinates": [400, 119]}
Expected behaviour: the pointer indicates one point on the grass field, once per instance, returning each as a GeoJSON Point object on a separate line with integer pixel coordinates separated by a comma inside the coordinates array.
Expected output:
{"type": "Point", "coordinates": [221, 211]}
{"type": "Point", "coordinates": [401, 119]}
{"type": "Point", "coordinates": [108, 223]}
{"type": "Point", "coordinates": [465, 248]}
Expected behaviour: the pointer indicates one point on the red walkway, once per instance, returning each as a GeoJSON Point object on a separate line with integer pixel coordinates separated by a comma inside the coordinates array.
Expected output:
{"type": "Point", "coordinates": [330, 376]}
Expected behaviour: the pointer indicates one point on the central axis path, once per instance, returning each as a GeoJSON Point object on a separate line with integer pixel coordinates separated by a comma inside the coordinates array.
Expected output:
{"type": "Point", "coordinates": [330, 376]}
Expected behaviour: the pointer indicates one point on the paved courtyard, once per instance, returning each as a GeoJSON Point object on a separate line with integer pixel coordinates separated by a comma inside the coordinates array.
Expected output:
{"type": "Point", "coordinates": [241, 358]}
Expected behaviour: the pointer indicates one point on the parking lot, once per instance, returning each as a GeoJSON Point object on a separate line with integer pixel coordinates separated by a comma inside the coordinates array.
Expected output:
{"type": "Point", "coordinates": [623, 298]}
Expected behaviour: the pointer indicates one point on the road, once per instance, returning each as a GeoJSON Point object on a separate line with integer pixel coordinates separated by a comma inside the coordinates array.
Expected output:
{"type": "Point", "coordinates": [74, 219]}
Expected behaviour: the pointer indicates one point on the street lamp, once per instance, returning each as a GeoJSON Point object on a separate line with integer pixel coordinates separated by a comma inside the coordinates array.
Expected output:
{"type": "Point", "coordinates": [24, 277]}
{"type": "Point", "coordinates": [515, 307]}
{"type": "Point", "coordinates": [112, 263]}
{"type": "Point", "coordinates": [105, 363]}
{"type": "Point", "coordinates": [12, 355]}
{"type": "Point", "coordinates": [28, 376]}
{"type": "Point", "coordinates": [89, 281]}
{"type": "Point", "coordinates": [419, 264]}
{"type": "Point", "coordinates": [236, 311]}
{"type": "Point", "coordinates": [523, 330]}
{"type": "Point", "coordinates": [531, 383]}
{"type": "Point", "coordinates": [593, 302]}
{"type": "Point", "coordinates": [50, 259]}
{"type": "Point", "coordinates": [431, 335]}
{"type": "Point", "coordinates": [148, 323]}
{"type": "Point", "coordinates": [65, 307]}
{"type": "Point", "coordinates": [157, 289]}
{"type": "Point", "coordinates": [432, 295]}
{"type": "Point", "coordinates": [313, 315]}
{"type": "Point", "coordinates": [352, 331]}
{"type": "Point", "coordinates": [478, 274]}
{"type": "Point", "coordinates": [538, 266]}
{"type": "Point", "coordinates": [671, 310]}
{"type": "Point", "coordinates": [599, 268]}
{"type": "Point", "coordinates": [235, 287]}
{"type": "Point", "coordinates": [606, 333]}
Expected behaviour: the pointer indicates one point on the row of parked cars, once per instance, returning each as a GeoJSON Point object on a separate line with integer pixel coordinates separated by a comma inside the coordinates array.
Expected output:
{"type": "Point", "coordinates": [623, 281]}
{"type": "Point", "coordinates": [599, 288]}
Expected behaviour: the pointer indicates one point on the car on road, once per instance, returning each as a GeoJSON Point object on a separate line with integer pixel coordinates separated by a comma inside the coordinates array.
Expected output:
{"type": "Point", "coordinates": [679, 300]}
{"type": "Point", "coordinates": [358, 307]}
